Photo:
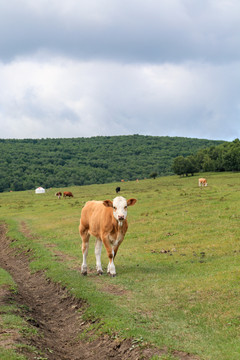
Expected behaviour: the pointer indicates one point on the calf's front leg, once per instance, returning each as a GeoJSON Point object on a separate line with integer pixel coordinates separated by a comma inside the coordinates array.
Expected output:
{"type": "Point", "coordinates": [110, 252]}
{"type": "Point", "coordinates": [111, 270]}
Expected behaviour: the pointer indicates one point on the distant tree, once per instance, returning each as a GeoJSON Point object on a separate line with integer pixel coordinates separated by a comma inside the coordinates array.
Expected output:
{"type": "Point", "coordinates": [208, 163]}
{"type": "Point", "coordinates": [179, 165]}
{"type": "Point", "coordinates": [232, 159]}
{"type": "Point", "coordinates": [191, 165]}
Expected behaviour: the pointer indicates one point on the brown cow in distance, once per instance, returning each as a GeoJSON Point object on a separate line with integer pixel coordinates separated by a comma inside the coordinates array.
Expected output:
{"type": "Point", "coordinates": [107, 222]}
{"type": "Point", "coordinates": [67, 193]}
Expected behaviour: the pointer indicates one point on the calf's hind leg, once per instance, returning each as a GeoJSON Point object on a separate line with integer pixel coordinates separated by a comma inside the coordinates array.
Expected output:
{"type": "Point", "coordinates": [85, 245]}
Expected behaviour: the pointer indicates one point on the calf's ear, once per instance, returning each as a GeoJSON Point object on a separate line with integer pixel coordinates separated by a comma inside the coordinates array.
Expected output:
{"type": "Point", "coordinates": [108, 203]}
{"type": "Point", "coordinates": [131, 202]}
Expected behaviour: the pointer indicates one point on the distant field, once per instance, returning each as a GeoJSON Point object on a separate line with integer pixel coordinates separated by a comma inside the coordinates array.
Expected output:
{"type": "Point", "coordinates": [178, 269]}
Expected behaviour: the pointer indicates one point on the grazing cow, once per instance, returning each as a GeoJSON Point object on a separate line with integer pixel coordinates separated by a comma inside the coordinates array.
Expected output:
{"type": "Point", "coordinates": [58, 194]}
{"type": "Point", "coordinates": [67, 193]}
{"type": "Point", "coordinates": [118, 189]}
{"type": "Point", "coordinates": [107, 221]}
{"type": "Point", "coordinates": [202, 182]}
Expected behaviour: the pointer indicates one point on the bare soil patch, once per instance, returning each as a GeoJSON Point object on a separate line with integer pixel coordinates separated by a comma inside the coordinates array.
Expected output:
{"type": "Point", "coordinates": [58, 317]}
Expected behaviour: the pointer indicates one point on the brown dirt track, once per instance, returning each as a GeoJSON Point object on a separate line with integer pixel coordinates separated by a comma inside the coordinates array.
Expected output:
{"type": "Point", "coordinates": [58, 317]}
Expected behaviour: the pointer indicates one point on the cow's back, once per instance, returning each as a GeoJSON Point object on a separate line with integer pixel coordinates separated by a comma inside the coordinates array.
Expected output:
{"type": "Point", "coordinates": [95, 217]}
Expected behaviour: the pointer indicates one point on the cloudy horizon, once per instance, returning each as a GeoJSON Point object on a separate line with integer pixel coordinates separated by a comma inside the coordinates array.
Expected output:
{"type": "Point", "coordinates": [100, 67]}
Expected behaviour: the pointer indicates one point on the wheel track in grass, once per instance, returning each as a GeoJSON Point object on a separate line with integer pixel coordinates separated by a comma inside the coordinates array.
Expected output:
{"type": "Point", "coordinates": [58, 317]}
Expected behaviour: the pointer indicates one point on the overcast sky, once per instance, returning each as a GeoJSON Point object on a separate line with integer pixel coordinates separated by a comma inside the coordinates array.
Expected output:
{"type": "Point", "coordinates": [80, 68]}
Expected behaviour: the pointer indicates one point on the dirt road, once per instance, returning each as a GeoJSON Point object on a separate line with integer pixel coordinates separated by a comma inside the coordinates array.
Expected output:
{"type": "Point", "coordinates": [58, 317]}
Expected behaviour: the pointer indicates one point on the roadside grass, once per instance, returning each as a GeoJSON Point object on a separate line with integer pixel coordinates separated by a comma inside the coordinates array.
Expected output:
{"type": "Point", "coordinates": [8, 354]}
{"type": "Point", "coordinates": [12, 325]}
{"type": "Point", "coordinates": [177, 282]}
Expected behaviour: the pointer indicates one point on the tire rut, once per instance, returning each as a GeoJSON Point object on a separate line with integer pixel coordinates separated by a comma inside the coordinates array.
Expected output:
{"type": "Point", "coordinates": [57, 315]}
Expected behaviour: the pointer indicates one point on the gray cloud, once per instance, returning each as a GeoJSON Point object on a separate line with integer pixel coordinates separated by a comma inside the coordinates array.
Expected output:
{"type": "Point", "coordinates": [166, 31]}
{"type": "Point", "coordinates": [102, 67]}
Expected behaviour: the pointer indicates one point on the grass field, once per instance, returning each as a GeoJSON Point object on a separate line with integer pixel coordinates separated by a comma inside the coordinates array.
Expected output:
{"type": "Point", "coordinates": [178, 269]}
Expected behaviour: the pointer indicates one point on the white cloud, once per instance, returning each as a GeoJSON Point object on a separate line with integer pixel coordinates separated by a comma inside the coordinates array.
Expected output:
{"type": "Point", "coordinates": [66, 98]}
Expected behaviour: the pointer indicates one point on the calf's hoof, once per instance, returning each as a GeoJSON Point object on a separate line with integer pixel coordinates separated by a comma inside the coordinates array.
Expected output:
{"type": "Point", "coordinates": [100, 272]}
{"type": "Point", "coordinates": [84, 273]}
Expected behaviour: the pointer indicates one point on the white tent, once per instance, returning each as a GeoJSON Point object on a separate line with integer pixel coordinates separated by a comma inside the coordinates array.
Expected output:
{"type": "Point", "coordinates": [40, 190]}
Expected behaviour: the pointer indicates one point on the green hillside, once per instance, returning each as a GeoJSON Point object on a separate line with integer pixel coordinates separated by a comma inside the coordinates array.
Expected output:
{"type": "Point", "coordinates": [29, 163]}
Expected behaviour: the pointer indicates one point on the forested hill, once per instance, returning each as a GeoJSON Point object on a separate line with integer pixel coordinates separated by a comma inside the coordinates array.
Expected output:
{"type": "Point", "coordinates": [28, 163]}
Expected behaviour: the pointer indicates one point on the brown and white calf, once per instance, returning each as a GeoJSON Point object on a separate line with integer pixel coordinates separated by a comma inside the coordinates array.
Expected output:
{"type": "Point", "coordinates": [202, 182]}
{"type": "Point", "coordinates": [107, 222]}
{"type": "Point", "coordinates": [59, 194]}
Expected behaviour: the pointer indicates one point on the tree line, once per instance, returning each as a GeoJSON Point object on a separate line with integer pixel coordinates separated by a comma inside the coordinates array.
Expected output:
{"type": "Point", "coordinates": [223, 157]}
{"type": "Point", "coordinates": [29, 163]}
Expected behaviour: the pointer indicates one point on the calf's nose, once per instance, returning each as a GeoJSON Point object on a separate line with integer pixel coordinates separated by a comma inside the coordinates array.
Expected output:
{"type": "Point", "coordinates": [120, 217]}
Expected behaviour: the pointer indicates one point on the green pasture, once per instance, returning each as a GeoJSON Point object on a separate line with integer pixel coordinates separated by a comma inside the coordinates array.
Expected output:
{"type": "Point", "coordinates": [178, 269]}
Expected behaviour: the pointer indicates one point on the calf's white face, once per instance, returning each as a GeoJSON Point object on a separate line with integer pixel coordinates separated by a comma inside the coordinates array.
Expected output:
{"type": "Point", "coordinates": [119, 205]}
{"type": "Point", "coordinates": [120, 208]}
